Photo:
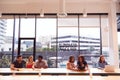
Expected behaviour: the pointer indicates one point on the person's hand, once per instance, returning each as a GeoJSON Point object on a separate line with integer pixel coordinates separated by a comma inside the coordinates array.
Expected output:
{"type": "Point", "coordinates": [33, 68]}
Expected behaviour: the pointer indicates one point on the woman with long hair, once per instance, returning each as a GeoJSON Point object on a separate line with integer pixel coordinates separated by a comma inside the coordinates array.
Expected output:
{"type": "Point", "coordinates": [82, 64]}
{"type": "Point", "coordinates": [102, 62]}
{"type": "Point", "coordinates": [30, 62]}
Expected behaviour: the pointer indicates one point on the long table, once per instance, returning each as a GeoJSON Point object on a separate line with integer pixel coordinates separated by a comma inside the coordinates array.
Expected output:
{"type": "Point", "coordinates": [59, 78]}
{"type": "Point", "coordinates": [57, 71]}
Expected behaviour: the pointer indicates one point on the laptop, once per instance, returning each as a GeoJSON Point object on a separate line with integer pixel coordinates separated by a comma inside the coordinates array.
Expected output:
{"type": "Point", "coordinates": [109, 68]}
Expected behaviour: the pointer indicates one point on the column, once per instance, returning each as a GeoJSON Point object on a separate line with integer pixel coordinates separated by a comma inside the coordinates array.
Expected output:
{"type": "Point", "coordinates": [113, 39]}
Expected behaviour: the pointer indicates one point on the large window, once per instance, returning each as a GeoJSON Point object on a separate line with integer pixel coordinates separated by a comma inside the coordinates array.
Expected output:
{"type": "Point", "coordinates": [46, 30]}
{"type": "Point", "coordinates": [90, 38]}
{"type": "Point", "coordinates": [6, 39]}
{"type": "Point", "coordinates": [105, 36]}
{"type": "Point", "coordinates": [27, 27]}
{"type": "Point", "coordinates": [118, 28]}
{"type": "Point", "coordinates": [55, 38]}
{"type": "Point", "coordinates": [67, 39]}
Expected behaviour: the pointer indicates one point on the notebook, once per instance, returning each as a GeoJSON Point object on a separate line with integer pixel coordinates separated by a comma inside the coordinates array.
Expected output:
{"type": "Point", "coordinates": [109, 68]}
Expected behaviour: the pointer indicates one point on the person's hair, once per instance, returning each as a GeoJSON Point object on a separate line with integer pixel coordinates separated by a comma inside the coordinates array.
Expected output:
{"type": "Point", "coordinates": [19, 56]}
{"type": "Point", "coordinates": [30, 58]}
{"type": "Point", "coordinates": [100, 60]}
{"type": "Point", "coordinates": [40, 56]}
{"type": "Point", "coordinates": [82, 57]}
{"type": "Point", "coordinates": [70, 58]}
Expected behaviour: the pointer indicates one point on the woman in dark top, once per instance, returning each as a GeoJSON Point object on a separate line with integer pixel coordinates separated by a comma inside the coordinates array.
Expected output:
{"type": "Point", "coordinates": [82, 64]}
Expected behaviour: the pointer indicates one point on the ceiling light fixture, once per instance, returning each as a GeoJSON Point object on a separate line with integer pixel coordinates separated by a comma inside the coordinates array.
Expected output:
{"type": "Point", "coordinates": [84, 9]}
{"type": "Point", "coordinates": [42, 13]}
{"type": "Point", "coordinates": [61, 12]}
{"type": "Point", "coordinates": [42, 9]}
{"type": "Point", "coordinates": [84, 13]}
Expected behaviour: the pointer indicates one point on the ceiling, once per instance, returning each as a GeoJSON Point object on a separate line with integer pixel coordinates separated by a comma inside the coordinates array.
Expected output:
{"type": "Point", "coordinates": [52, 6]}
{"type": "Point", "coordinates": [48, 1]}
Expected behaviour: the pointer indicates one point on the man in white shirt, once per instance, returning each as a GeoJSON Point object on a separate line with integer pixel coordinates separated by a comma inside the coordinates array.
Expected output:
{"type": "Point", "coordinates": [40, 63]}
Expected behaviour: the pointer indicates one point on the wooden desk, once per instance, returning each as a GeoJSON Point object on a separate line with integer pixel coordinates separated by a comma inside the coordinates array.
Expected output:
{"type": "Point", "coordinates": [111, 78]}
{"type": "Point", "coordinates": [59, 78]}
{"type": "Point", "coordinates": [96, 71]}
{"type": "Point", "coordinates": [24, 71]}
{"type": "Point", "coordinates": [63, 71]}
{"type": "Point", "coordinates": [49, 78]}
{"type": "Point", "coordinates": [56, 71]}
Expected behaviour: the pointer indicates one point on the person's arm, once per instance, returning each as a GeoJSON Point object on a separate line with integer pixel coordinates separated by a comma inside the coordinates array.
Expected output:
{"type": "Point", "coordinates": [12, 67]}
{"type": "Point", "coordinates": [46, 65]}
{"type": "Point", "coordinates": [86, 66]}
{"type": "Point", "coordinates": [77, 65]}
{"type": "Point", "coordinates": [26, 64]}
{"type": "Point", "coordinates": [33, 67]}
{"type": "Point", "coordinates": [68, 66]}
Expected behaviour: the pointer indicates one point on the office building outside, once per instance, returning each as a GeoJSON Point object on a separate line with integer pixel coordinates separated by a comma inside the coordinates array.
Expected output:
{"type": "Point", "coordinates": [70, 42]}
{"type": "Point", "coordinates": [3, 26]}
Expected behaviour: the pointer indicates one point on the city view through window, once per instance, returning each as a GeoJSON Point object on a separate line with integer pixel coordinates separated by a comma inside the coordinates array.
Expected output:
{"type": "Point", "coordinates": [55, 39]}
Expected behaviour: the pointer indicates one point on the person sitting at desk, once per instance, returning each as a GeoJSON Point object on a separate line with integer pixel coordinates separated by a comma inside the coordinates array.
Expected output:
{"type": "Point", "coordinates": [18, 63]}
{"type": "Point", "coordinates": [30, 62]}
{"type": "Point", "coordinates": [82, 64]}
{"type": "Point", "coordinates": [70, 63]}
{"type": "Point", "coordinates": [40, 63]}
{"type": "Point", "coordinates": [102, 62]}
